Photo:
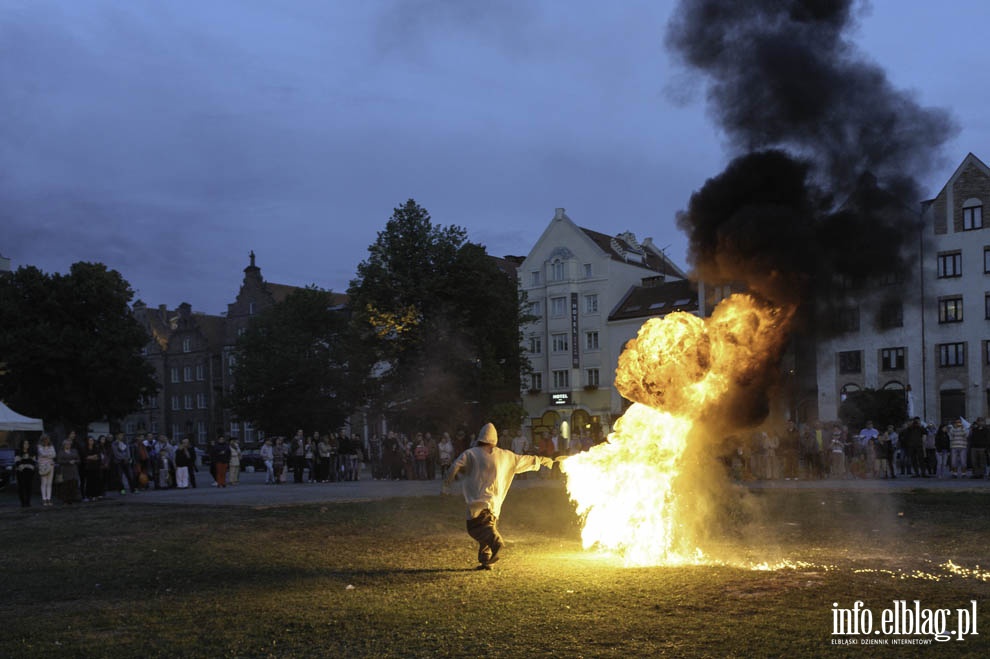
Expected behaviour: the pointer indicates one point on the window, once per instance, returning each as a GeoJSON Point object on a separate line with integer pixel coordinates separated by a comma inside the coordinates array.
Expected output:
{"type": "Point", "coordinates": [950, 265]}
{"type": "Point", "coordinates": [847, 320]}
{"type": "Point", "coordinates": [188, 399]}
{"type": "Point", "coordinates": [251, 308]}
{"type": "Point", "coordinates": [535, 308]}
{"type": "Point", "coordinates": [591, 303]}
{"type": "Point", "coordinates": [175, 403]}
{"type": "Point", "coordinates": [561, 379]}
{"type": "Point", "coordinates": [175, 431]}
{"type": "Point", "coordinates": [591, 340]}
{"type": "Point", "coordinates": [591, 377]}
{"type": "Point", "coordinates": [130, 427]}
{"type": "Point", "coordinates": [587, 270]}
{"type": "Point", "coordinates": [536, 381]}
{"type": "Point", "coordinates": [559, 342]}
{"type": "Point", "coordinates": [153, 402]}
{"type": "Point", "coordinates": [231, 363]}
{"type": "Point", "coordinates": [175, 374]}
{"type": "Point", "coordinates": [972, 214]}
{"type": "Point", "coordinates": [952, 354]}
{"type": "Point", "coordinates": [201, 432]}
{"type": "Point", "coordinates": [892, 359]}
{"type": "Point", "coordinates": [248, 432]}
{"type": "Point", "coordinates": [558, 306]}
{"type": "Point", "coordinates": [235, 428]}
{"type": "Point", "coordinates": [535, 278]}
{"type": "Point", "coordinates": [241, 331]}
{"type": "Point", "coordinates": [950, 310]}
{"type": "Point", "coordinates": [154, 427]}
{"type": "Point", "coordinates": [986, 259]}
{"type": "Point", "coordinates": [892, 315]}
{"type": "Point", "coordinates": [557, 271]}
{"type": "Point", "coordinates": [200, 372]}
{"type": "Point", "coordinates": [187, 373]}
{"type": "Point", "coordinates": [201, 401]}
{"type": "Point", "coordinates": [986, 306]}
{"type": "Point", "coordinates": [535, 345]}
{"type": "Point", "coordinates": [851, 361]}
{"type": "Point", "coordinates": [186, 344]}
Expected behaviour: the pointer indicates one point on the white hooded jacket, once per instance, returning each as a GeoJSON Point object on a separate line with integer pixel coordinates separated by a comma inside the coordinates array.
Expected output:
{"type": "Point", "coordinates": [486, 477]}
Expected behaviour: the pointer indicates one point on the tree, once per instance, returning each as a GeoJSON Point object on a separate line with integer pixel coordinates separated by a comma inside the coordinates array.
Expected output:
{"type": "Point", "coordinates": [438, 324]}
{"type": "Point", "coordinates": [291, 368]}
{"type": "Point", "coordinates": [71, 347]}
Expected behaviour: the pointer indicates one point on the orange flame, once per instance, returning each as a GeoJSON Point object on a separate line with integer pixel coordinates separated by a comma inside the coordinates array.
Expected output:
{"type": "Point", "coordinates": [685, 374]}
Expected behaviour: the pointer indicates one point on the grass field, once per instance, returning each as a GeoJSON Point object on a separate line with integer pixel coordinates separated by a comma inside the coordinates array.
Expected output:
{"type": "Point", "coordinates": [396, 579]}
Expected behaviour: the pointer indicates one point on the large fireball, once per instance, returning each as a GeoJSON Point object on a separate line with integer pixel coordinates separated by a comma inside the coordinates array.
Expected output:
{"type": "Point", "coordinates": [686, 376]}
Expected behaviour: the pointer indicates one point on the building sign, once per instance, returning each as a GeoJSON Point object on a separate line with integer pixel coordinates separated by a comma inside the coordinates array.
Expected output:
{"type": "Point", "coordinates": [560, 399]}
{"type": "Point", "coordinates": [575, 362]}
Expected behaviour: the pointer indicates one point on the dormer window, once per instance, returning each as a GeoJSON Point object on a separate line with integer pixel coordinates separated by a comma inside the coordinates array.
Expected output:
{"type": "Point", "coordinates": [972, 214]}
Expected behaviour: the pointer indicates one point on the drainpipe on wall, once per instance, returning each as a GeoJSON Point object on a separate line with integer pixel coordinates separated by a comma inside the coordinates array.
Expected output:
{"type": "Point", "coordinates": [924, 338]}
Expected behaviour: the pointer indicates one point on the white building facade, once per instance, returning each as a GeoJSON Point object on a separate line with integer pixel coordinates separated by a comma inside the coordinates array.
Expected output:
{"type": "Point", "coordinates": [573, 278]}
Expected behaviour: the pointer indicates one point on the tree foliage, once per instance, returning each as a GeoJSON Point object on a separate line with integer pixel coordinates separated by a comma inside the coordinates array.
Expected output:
{"type": "Point", "coordinates": [438, 324]}
{"type": "Point", "coordinates": [70, 346]}
{"type": "Point", "coordinates": [291, 366]}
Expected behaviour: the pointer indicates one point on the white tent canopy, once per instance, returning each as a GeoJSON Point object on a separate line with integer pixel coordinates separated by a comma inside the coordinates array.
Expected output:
{"type": "Point", "coordinates": [11, 420]}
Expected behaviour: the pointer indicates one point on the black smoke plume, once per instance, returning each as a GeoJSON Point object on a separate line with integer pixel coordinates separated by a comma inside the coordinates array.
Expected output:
{"type": "Point", "coordinates": [821, 199]}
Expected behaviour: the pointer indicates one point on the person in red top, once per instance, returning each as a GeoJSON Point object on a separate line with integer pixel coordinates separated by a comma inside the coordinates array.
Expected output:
{"type": "Point", "coordinates": [420, 455]}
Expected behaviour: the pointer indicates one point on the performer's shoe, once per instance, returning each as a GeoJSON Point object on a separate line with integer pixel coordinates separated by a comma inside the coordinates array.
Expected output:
{"type": "Point", "coordinates": [496, 548]}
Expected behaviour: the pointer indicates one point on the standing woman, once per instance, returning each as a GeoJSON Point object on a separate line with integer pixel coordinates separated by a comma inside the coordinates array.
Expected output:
{"type": "Point", "coordinates": [46, 468]}
{"type": "Point", "coordinates": [185, 462]}
{"type": "Point", "coordinates": [92, 461]}
{"type": "Point", "coordinates": [25, 465]}
{"type": "Point", "coordinates": [234, 475]}
{"type": "Point", "coordinates": [278, 459]}
{"type": "Point", "coordinates": [68, 465]}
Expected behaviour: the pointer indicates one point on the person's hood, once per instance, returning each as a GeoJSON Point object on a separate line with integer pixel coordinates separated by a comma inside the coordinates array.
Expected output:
{"type": "Point", "coordinates": [488, 435]}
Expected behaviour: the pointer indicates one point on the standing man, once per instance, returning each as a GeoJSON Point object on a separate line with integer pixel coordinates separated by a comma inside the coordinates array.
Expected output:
{"type": "Point", "coordinates": [957, 446]}
{"type": "Point", "coordinates": [488, 472]}
{"type": "Point", "coordinates": [979, 442]}
{"type": "Point", "coordinates": [220, 459]}
{"type": "Point", "coordinates": [297, 459]}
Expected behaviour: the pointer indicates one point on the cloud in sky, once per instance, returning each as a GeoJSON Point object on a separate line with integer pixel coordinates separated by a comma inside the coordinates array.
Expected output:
{"type": "Point", "coordinates": [170, 139]}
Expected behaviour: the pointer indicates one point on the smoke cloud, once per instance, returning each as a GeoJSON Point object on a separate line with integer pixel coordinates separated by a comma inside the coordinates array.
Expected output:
{"type": "Point", "coordinates": [822, 194]}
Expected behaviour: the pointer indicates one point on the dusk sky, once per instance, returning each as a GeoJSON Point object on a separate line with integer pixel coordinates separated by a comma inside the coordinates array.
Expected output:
{"type": "Point", "coordinates": [169, 139]}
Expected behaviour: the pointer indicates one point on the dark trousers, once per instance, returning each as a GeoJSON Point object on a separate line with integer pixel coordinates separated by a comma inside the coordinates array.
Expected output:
{"type": "Point", "coordinates": [298, 465]}
{"type": "Point", "coordinates": [25, 479]}
{"type": "Point", "coordinates": [483, 529]}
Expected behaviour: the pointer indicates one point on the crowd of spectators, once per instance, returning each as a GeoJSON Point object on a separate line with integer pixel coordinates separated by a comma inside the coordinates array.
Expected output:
{"type": "Point", "coordinates": [955, 449]}
{"type": "Point", "coordinates": [82, 470]}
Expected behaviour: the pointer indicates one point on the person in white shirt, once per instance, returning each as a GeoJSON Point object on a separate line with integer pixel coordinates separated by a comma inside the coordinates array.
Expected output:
{"type": "Point", "coordinates": [487, 472]}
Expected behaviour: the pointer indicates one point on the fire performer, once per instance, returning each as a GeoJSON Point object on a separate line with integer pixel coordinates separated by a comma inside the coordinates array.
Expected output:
{"type": "Point", "coordinates": [487, 474]}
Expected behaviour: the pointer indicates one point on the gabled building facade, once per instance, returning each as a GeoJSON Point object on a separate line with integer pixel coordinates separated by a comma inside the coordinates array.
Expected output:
{"type": "Point", "coordinates": [933, 346]}
{"type": "Point", "coordinates": [573, 279]}
{"type": "Point", "coordinates": [193, 357]}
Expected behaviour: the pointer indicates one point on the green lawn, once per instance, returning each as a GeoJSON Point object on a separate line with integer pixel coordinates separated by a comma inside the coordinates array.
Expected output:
{"type": "Point", "coordinates": [396, 579]}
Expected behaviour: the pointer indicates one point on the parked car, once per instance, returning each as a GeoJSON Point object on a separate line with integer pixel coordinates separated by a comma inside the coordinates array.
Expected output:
{"type": "Point", "coordinates": [6, 466]}
{"type": "Point", "coordinates": [202, 457]}
{"type": "Point", "coordinates": [252, 458]}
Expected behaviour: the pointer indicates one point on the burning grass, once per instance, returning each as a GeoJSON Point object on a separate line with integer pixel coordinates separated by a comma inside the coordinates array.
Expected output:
{"type": "Point", "coordinates": [395, 579]}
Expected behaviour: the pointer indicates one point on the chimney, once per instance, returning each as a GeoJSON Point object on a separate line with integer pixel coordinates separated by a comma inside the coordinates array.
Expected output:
{"type": "Point", "coordinates": [558, 214]}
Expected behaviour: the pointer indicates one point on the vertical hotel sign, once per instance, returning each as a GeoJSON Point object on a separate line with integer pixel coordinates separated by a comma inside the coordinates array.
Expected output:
{"type": "Point", "coordinates": [575, 363]}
